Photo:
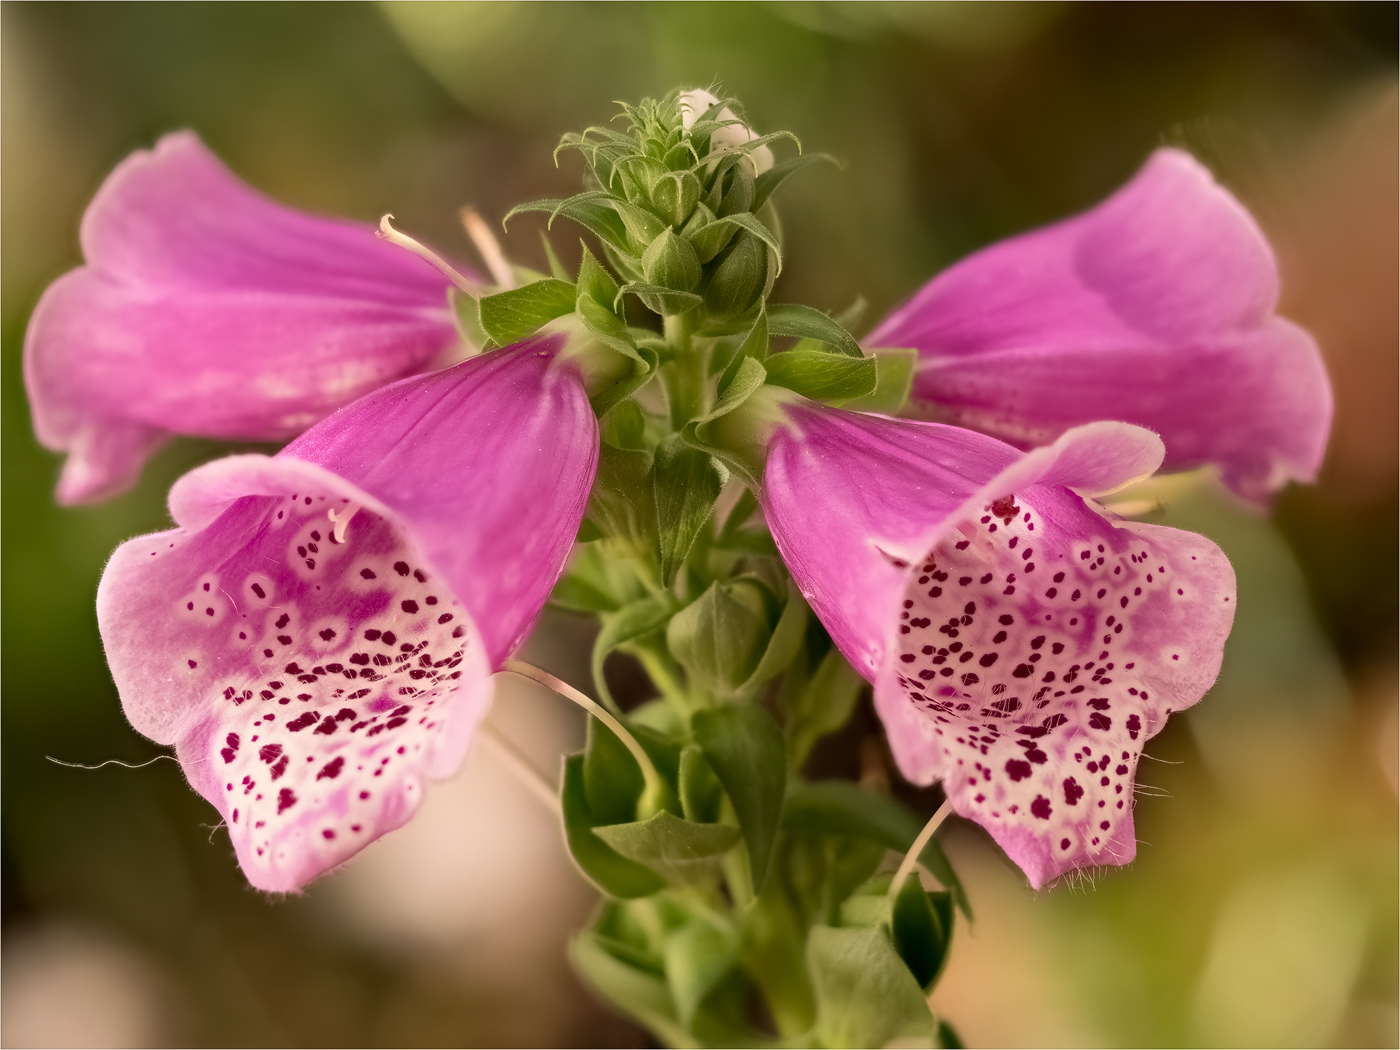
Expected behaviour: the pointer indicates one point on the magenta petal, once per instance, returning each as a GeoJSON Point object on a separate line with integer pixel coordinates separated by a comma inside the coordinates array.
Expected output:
{"type": "Point", "coordinates": [1023, 646]}
{"type": "Point", "coordinates": [1157, 308]}
{"type": "Point", "coordinates": [207, 309]}
{"type": "Point", "coordinates": [316, 636]}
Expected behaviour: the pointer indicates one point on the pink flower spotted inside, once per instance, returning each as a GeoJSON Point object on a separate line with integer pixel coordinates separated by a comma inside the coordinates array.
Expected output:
{"type": "Point", "coordinates": [1040, 647]}
{"type": "Point", "coordinates": [337, 672]}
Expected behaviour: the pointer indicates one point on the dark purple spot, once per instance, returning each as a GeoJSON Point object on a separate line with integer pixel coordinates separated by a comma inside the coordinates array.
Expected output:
{"type": "Point", "coordinates": [401, 567]}
{"type": "Point", "coordinates": [368, 574]}
{"type": "Point", "coordinates": [331, 770]}
{"type": "Point", "coordinates": [988, 659]}
{"type": "Point", "coordinates": [306, 718]}
{"type": "Point", "coordinates": [285, 798]}
{"type": "Point", "coordinates": [1017, 770]}
{"type": "Point", "coordinates": [1041, 807]}
{"type": "Point", "coordinates": [1100, 721]}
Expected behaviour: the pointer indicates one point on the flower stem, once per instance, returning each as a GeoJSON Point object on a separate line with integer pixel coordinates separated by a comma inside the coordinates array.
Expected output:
{"type": "Point", "coordinates": [656, 787]}
{"type": "Point", "coordinates": [524, 769]}
{"type": "Point", "coordinates": [911, 858]}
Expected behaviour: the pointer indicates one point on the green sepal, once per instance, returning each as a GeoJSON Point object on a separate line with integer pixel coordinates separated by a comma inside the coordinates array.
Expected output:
{"type": "Point", "coordinates": [594, 281]}
{"type": "Point", "coordinates": [738, 197]}
{"type": "Point", "coordinates": [840, 807]}
{"type": "Point", "coordinates": [745, 383]}
{"type": "Point", "coordinates": [508, 317]}
{"type": "Point", "coordinates": [865, 994]}
{"type": "Point", "coordinates": [680, 851]}
{"type": "Point", "coordinates": [675, 194]}
{"type": "Point", "coordinates": [635, 620]}
{"type": "Point", "coordinates": [807, 322]}
{"type": "Point", "coordinates": [642, 226]}
{"type": "Point", "coordinates": [744, 747]}
{"type": "Point", "coordinates": [920, 935]}
{"type": "Point", "coordinates": [697, 956]}
{"type": "Point", "coordinates": [621, 502]}
{"type": "Point", "coordinates": [467, 318]}
{"type": "Point", "coordinates": [783, 644]}
{"type": "Point", "coordinates": [624, 426]}
{"type": "Point", "coordinates": [832, 378]}
{"type": "Point", "coordinates": [592, 210]}
{"type": "Point", "coordinates": [705, 235]}
{"type": "Point", "coordinates": [607, 869]}
{"type": "Point", "coordinates": [670, 263]}
{"type": "Point", "coordinates": [822, 706]}
{"type": "Point", "coordinates": [739, 277]}
{"type": "Point", "coordinates": [639, 994]}
{"type": "Point", "coordinates": [660, 299]}
{"type": "Point", "coordinates": [895, 370]}
{"type": "Point", "coordinates": [720, 637]}
{"type": "Point", "coordinates": [686, 482]}
{"type": "Point", "coordinates": [646, 363]}
{"type": "Point", "coordinates": [770, 180]}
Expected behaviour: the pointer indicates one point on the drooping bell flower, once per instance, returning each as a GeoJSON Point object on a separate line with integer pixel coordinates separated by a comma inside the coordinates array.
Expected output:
{"type": "Point", "coordinates": [316, 635]}
{"type": "Point", "coordinates": [1156, 307]}
{"type": "Point", "coordinates": [206, 309]}
{"type": "Point", "coordinates": [1024, 645]}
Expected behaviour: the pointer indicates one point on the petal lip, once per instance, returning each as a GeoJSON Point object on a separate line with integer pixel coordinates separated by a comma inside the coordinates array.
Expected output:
{"type": "Point", "coordinates": [1156, 307]}
{"type": "Point", "coordinates": [207, 309]}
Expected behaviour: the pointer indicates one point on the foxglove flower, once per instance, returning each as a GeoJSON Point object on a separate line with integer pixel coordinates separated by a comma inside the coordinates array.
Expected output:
{"type": "Point", "coordinates": [694, 104]}
{"type": "Point", "coordinates": [1156, 307]}
{"type": "Point", "coordinates": [1023, 644]}
{"type": "Point", "coordinates": [316, 635]}
{"type": "Point", "coordinates": [204, 308]}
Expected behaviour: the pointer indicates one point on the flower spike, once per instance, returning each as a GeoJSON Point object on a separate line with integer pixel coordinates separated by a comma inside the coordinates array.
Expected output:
{"type": "Point", "coordinates": [206, 309]}
{"type": "Point", "coordinates": [312, 675]}
{"type": "Point", "coordinates": [1024, 647]}
{"type": "Point", "coordinates": [1157, 307]}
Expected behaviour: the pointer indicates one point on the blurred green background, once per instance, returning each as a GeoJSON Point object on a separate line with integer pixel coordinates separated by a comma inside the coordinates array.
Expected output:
{"type": "Point", "coordinates": [1262, 909]}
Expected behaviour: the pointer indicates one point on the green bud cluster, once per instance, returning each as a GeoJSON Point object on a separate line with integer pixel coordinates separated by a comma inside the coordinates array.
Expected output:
{"type": "Point", "coordinates": [726, 875]}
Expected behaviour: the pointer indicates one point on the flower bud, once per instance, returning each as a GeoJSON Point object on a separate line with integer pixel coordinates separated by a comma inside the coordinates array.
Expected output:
{"type": "Point", "coordinates": [739, 279]}
{"type": "Point", "coordinates": [705, 235]}
{"type": "Point", "coordinates": [739, 195]}
{"type": "Point", "coordinates": [720, 637]}
{"type": "Point", "coordinates": [671, 262]}
{"type": "Point", "coordinates": [675, 195]}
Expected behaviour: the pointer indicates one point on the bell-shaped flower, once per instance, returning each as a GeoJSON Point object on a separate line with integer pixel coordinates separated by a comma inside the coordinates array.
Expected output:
{"type": "Point", "coordinates": [1156, 307]}
{"type": "Point", "coordinates": [1024, 645]}
{"type": "Point", "coordinates": [316, 635]}
{"type": "Point", "coordinates": [204, 308]}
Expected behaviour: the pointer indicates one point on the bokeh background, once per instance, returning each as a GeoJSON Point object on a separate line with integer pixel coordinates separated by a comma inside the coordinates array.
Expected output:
{"type": "Point", "coordinates": [1263, 907]}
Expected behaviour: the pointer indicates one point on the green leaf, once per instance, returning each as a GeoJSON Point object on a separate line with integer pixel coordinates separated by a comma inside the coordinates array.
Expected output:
{"type": "Point", "coordinates": [697, 956]}
{"type": "Point", "coordinates": [509, 317]}
{"type": "Point", "coordinates": [607, 869]}
{"type": "Point", "coordinates": [720, 637]}
{"type": "Point", "coordinates": [770, 180]}
{"type": "Point", "coordinates": [755, 345]}
{"type": "Point", "coordinates": [699, 787]}
{"type": "Point", "coordinates": [839, 807]}
{"type": "Point", "coordinates": [640, 995]}
{"type": "Point", "coordinates": [745, 749]}
{"type": "Point", "coordinates": [612, 780]}
{"type": "Point", "coordinates": [631, 621]}
{"type": "Point", "coordinates": [705, 235]}
{"type": "Point", "coordinates": [865, 994]}
{"type": "Point", "coordinates": [809, 323]}
{"type": "Point", "coordinates": [919, 934]}
{"type": "Point", "coordinates": [895, 371]}
{"type": "Point", "coordinates": [680, 851]}
{"type": "Point", "coordinates": [687, 482]}
{"type": "Point", "coordinates": [609, 329]}
{"type": "Point", "coordinates": [642, 226]}
{"type": "Point", "coordinates": [625, 426]}
{"type": "Point", "coordinates": [594, 281]}
{"type": "Point", "coordinates": [823, 706]}
{"type": "Point", "coordinates": [590, 210]}
{"type": "Point", "coordinates": [621, 502]}
{"type": "Point", "coordinates": [821, 376]}
{"type": "Point", "coordinates": [594, 583]}
{"type": "Point", "coordinates": [783, 644]}
{"type": "Point", "coordinates": [947, 1038]}
{"type": "Point", "coordinates": [642, 371]}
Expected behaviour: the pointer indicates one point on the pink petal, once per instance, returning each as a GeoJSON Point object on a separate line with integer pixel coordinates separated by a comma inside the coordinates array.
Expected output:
{"type": "Point", "coordinates": [311, 682]}
{"type": "Point", "coordinates": [1157, 308]}
{"type": "Point", "coordinates": [1007, 623]}
{"type": "Point", "coordinates": [207, 309]}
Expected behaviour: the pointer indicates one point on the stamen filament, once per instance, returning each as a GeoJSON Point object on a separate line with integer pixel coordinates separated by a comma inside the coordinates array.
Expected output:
{"type": "Point", "coordinates": [655, 785]}
{"type": "Point", "coordinates": [341, 521]}
{"type": "Point", "coordinates": [488, 246]}
{"type": "Point", "coordinates": [524, 769]}
{"type": "Point", "coordinates": [393, 236]}
{"type": "Point", "coordinates": [906, 866]}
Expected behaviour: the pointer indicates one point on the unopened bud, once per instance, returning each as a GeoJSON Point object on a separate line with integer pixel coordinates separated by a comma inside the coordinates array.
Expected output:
{"type": "Point", "coordinates": [671, 262]}
{"type": "Point", "coordinates": [675, 195]}
{"type": "Point", "coordinates": [739, 279]}
{"type": "Point", "coordinates": [720, 637]}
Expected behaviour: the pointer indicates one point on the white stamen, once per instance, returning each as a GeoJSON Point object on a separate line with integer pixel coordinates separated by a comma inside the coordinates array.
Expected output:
{"type": "Point", "coordinates": [341, 521]}
{"type": "Point", "coordinates": [488, 246]}
{"type": "Point", "coordinates": [393, 236]}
